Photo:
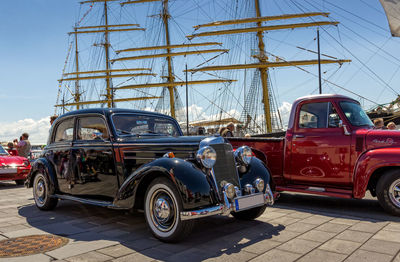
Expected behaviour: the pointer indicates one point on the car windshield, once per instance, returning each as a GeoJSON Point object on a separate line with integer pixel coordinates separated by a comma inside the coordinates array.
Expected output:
{"type": "Point", "coordinates": [144, 125]}
{"type": "Point", "coordinates": [355, 114]}
{"type": "Point", "coordinates": [3, 152]}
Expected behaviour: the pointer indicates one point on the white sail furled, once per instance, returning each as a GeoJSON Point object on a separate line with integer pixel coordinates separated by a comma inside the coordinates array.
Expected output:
{"type": "Point", "coordinates": [392, 10]}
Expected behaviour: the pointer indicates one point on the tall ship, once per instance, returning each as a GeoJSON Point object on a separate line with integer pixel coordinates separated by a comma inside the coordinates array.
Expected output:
{"type": "Point", "coordinates": [205, 63]}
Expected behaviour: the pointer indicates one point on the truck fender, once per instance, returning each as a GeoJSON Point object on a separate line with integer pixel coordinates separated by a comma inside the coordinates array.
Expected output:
{"type": "Point", "coordinates": [257, 169]}
{"type": "Point", "coordinates": [190, 181]}
{"type": "Point", "coordinates": [43, 165]}
{"type": "Point", "coordinates": [368, 163]}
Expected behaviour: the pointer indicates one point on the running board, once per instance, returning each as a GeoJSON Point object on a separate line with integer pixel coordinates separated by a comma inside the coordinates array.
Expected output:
{"type": "Point", "coordinates": [86, 201]}
{"type": "Point", "coordinates": [324, 191]}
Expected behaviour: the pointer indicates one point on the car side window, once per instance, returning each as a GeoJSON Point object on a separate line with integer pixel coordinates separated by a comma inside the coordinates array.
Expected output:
{"type": "Point", "coordinates": [313, 115]}
{"type": "Point", "coordinates": [65, 131]}
{"type": "Point", "coordinates": [92, 128]}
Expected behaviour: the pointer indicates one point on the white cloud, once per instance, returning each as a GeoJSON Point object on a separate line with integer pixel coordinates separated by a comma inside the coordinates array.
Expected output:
{"type": "Point", "coordinates": [284, 110]}
{"type": "Point", "coordinates": [38, 130]}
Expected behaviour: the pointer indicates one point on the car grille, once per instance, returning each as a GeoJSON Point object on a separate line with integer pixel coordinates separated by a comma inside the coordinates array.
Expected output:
{"type": "Point", "coordinates": [225, 167]}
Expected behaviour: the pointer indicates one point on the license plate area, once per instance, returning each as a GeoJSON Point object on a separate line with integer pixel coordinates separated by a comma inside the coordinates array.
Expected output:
{"type": "Point", "coordinates": [8, 170]}
{"type": "Point", "coordinates": [250, 201]}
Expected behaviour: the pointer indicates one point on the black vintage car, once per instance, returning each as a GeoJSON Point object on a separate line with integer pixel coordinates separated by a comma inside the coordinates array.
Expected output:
{"type": "Point", "coordinates": [129, 159]}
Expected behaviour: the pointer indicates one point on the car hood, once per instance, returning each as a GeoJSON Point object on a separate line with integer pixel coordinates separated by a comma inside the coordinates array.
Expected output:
{"type": "Point", "coordinates": [12, 160]}
{"type": "Point", "coordinates": [382, 138]}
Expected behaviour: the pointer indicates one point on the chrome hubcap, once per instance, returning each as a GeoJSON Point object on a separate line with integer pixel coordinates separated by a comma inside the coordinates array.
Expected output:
{"type": "Point", "coordinates": [40, 191]}
{"type": "Point", "coordinates": [163, 210]}
{"type": "Point", "coordinates": [394, 192]}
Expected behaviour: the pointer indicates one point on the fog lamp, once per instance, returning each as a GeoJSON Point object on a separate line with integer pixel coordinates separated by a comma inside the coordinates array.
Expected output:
{"type": "Point", "coordinates": [229, 190]}
{"type": "Point", "coordinates": [259, 184]}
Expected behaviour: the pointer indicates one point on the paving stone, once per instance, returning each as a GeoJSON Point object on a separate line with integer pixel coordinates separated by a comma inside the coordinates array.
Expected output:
{"type": "Point", "coordinates": [284, 236]}
{"type": "Point", "coordinates": [298, 245]}
{"type": "Point", "coordinates": [316, 235]}
{"type": "Point", "coordinates": [191, 254]}
{"type": "Point", "coordinates": [332, 227]}
{"type": "Point", "coordinates": [78, 248]}
{"type": "Point", "coordinates": [259, 247]}
{"type": "Point", "coordinates": [368, 227]}
{"type": "Point", "coordinates": [134, 257]}
{"type": "Point", "coordinates": [319, 255]}
{"type": "Point", "coordinates": [25, 232]}
{"type": "Point", "coordinates": [89, 257]}
{"type": "Point", "coordinates": [388, 235]}
{"type": "Point", "coordinates": [11, 228]}
{"type": "Point", "coordinates": [355, 236]}
{"type": "Point", "coordinates": [156, 253]}
{"type": "Point", "coordinates": [340, 246]}
{"type": "Point", "coordinates": [299, 215]}
{"type": "Point", "coordinates": [316, 220]}
{"type": "Point", "coordinates": [285, 220]}
{"type": "Point", "coordinates": [367, 256]}
{"type": "Point", "coordinates": [116, 251]}
{"type": "Point", "coordinates": [392, 227]}
{"type": "Point", "coordinates": [33, 258]}
{"type": "Point", "coordinates": [381, 246]}
{"type": "Point", "coordinates": [272, 215]}
{"type": "Point", "coordinates": [239, 257]}
{"type": "Point", "coordinates": [300, 227]}
{"type": "Point", "coordinates": [276, 255]}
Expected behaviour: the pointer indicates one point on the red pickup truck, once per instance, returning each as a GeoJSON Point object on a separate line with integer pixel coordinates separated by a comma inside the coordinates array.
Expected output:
{"type": "Point", "coordinates": [331, 148]}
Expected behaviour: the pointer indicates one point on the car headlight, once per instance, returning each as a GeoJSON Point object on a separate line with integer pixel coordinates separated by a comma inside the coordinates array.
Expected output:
{"type": "Point", "coordinates": [26, 163]}
{"type": "Point", "coordinates": [243, 155]}
{"type": "Point", "coordinates": [207, 156]}
{"type": "Point", "coordinates": [259, 184]}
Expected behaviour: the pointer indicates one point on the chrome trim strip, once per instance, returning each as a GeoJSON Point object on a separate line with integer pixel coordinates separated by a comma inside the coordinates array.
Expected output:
{"type": "Point", "coordinates": [85, 201]}
{"type": "Point", "coordinates": [226, 208]}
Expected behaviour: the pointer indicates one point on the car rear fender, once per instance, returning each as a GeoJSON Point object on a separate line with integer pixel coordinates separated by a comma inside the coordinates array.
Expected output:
{"type": "Point", "coordinates": [190, 181]}
{"type": "Point", "coordinates": [369, 163]}
{"type": "Point", "coordinates": [44, 166]}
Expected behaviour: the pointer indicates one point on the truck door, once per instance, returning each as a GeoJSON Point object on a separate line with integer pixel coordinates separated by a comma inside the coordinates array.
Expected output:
{"type": "Point", "coordinates": [320, 149]}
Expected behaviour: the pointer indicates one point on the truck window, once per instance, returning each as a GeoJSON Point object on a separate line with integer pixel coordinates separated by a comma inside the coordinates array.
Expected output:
{"type": "Point", "coordinates": [355, 114]}
{"type": "Point", "coordinates": [318, 115]}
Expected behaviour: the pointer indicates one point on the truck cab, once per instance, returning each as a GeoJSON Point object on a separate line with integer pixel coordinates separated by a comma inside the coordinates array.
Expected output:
{"type": "Point", "coordinates": [331, 148]}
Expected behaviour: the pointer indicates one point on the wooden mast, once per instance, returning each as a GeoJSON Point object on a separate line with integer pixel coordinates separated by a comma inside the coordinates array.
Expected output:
{"type": "Point", "coordinates": [77, 93]}
{"type": "Point", "coordinates": [263, 72]}
{"type": "Point", "coordinates": [110, 92]}
{"type": "Point", "coordinates": [170, 79]}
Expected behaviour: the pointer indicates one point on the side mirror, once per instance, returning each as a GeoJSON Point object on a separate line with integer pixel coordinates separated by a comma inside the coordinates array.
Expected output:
{"type": "Point", "coordinates": [345, 130]}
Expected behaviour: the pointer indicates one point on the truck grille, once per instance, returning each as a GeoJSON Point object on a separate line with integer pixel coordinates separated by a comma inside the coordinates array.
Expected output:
{"type": "Point", "coordinates": [225, 167]}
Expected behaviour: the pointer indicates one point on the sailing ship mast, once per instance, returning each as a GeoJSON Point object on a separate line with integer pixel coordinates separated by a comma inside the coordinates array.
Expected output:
{"type": "Point", "coordinates": [106, 74]}
{"type": "Point", "coordinates": [263, 63]}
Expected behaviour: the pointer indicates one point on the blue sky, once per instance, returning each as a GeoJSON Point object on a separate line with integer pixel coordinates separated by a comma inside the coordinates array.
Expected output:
{"type": "Point", "coordinates": [34, 47]}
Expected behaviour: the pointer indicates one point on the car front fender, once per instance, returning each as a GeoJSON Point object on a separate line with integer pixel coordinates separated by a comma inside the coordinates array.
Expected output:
{"type": "Point", "coordinates": [44, 166]}
{"type": "Point", "coordinates": [256, 169]}
{"type": "Point", "coordinates": [190, 181]}
{"type": "Point", "coordinates": [368, 163]}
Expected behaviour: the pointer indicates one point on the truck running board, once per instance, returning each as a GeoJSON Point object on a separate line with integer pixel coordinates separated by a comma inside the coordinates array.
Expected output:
{"type": "Point", "coordinates": [325, 191]}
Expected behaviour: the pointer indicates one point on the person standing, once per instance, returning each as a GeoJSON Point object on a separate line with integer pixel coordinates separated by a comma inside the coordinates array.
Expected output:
{"type": "Point", "coordinates": [379, 124]}
{"type": "Point", "coordinates": [23, 146]}
{"type": "Point", "coordinates": [391, 126]}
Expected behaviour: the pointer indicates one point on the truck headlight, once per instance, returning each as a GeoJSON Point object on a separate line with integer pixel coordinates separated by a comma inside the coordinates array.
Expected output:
{"type": "Point", "coordinates": [259, 184]}
{"type": "Point", "coordinates": [206, 156]}
{"type": "Point", "coordinates": [244, 154]}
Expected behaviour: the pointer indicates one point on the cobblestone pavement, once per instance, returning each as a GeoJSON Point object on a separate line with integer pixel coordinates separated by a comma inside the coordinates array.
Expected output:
{"type": "Point", "coordinates": [297, 228]}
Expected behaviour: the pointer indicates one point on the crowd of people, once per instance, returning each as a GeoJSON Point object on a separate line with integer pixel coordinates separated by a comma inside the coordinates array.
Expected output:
{"type": "Point", "coordinates": [379, 124]}
{"type": "Point", "coordinates": [229, 131]}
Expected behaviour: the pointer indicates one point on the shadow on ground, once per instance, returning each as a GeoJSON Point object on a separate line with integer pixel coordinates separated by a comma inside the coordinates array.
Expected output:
{"type": "Point", "coordinates": [9, 185]}
{"type": "Point", "coordinates": [367, 209]}
{"type": "Point", "coordinates": [212, 236]}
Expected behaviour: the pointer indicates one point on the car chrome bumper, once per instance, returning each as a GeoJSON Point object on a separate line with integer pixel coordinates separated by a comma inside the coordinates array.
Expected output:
{"type": "Point", "coordinates": [227, 207]}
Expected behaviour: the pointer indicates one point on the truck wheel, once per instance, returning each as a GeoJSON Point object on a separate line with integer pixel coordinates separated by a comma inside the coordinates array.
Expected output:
{"type": "Point", "coordinates": [162, 207]}
{"type": "Point", "coordinates": [388, 192]}
{"type": "Point", "coordinates": [20, 182]}
{"type": "Point", "coordinates": [250, 214]}
{"type": "Point", "coordinates": [41, 194]}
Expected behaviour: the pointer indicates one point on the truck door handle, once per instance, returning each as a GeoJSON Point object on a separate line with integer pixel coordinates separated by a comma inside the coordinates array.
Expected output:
{"type": "Point", "coordinates": [298, 136]}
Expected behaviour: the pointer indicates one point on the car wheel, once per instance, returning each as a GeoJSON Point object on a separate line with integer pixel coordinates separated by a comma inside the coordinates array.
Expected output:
{"type": "Point", "coordinates": [162, 206]}
{"type": "Point", "coordinates": [41, 194]}
{"type": "Point", "coordinates": [20, 182]}
{"type": "Point", "coordinates": [250, 214]}
{"type": "Point", "coordinates": [388, 192]}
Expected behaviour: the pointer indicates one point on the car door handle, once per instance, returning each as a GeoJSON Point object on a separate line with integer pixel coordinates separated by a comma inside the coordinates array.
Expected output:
{"type": "Point", "coordinates": [299, 136]}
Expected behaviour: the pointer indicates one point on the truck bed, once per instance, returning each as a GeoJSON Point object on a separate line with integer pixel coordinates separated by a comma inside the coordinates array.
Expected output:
{"type": "Point", "coordinates": [269, 148]}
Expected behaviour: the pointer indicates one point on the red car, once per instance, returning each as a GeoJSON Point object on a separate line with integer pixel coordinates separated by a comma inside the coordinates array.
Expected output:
{"type": "Point", "coordinates": [13, 167]}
